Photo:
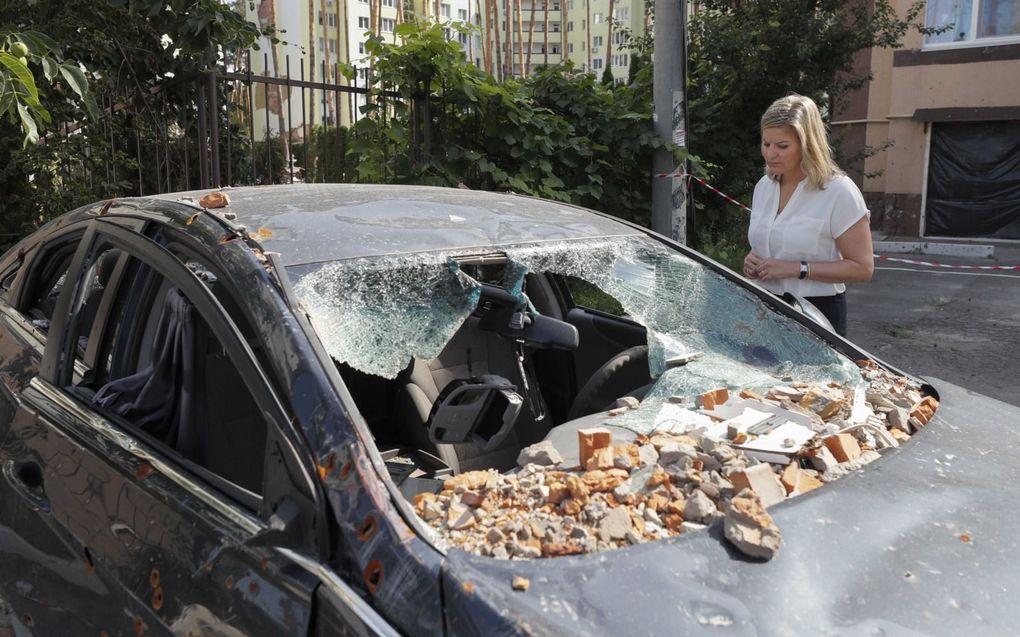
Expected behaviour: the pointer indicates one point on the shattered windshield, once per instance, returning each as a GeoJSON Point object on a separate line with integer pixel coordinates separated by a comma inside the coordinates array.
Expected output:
{"type": "Point", "coordinates": [375, 314]}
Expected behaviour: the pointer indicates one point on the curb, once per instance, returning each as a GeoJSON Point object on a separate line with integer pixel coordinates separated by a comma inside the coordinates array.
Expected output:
{"type": "Point", "coordinates": [973, 251]}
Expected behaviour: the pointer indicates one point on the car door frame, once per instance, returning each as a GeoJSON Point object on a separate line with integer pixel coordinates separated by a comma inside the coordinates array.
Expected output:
{"type": "Point", "coordinates": [275, 524]}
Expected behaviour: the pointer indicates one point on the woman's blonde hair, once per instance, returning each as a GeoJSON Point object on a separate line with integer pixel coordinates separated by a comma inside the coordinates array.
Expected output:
{"type": "Point", "coordinates": [801, 114]}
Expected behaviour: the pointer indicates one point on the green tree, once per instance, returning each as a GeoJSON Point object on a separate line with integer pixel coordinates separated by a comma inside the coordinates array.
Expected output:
{"type": "Point", "coordinates": [139, 59]}
{"type": "Point", "coordinates": [558, 134]}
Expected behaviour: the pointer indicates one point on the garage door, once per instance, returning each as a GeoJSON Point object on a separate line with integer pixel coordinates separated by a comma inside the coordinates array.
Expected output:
{"type": "Point", "coordinates": [974, 180]}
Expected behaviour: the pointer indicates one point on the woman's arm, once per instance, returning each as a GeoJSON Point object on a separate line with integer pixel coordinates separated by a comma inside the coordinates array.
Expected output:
{"type": "Point", "coordinates": [858, 263]}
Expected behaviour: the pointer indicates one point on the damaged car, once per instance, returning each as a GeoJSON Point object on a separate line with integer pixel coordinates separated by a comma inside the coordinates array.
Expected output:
{"type": "Point", "coordinates": [334, 409]}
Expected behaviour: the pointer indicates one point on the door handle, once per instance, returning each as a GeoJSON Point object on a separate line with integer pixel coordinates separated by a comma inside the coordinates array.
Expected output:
{"type": "Point", "coordinates": [26, 478]}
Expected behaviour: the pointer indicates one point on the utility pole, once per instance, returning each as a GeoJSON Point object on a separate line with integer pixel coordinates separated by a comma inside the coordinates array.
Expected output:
{"type": "Point", "coordinates": [669, 194]}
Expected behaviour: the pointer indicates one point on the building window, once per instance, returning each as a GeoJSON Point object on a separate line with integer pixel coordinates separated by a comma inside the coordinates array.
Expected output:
{"type": "Point", "coordinates": [596, 43]}
{"type": "Point", "coordinates": [330, 19]}
{"type": "Point", "coordinates": [555, 26]}
{"type": "Point", "coordinates": [388, 24]}
{"type": "Point", "coordinates": [621, 59]}
{"type": "Point", "coordinates": [322, 45]}
{"type": "Point", "coordinates": [332, 45]}
{"type": "Point", "coordinates": [462, 38]}
{"type": "Point", "coordinates": [570, 47]}
{"type": "Point", "coordinates": [462, 15]}
{"type": "Point", "coordinates": [596, 18]}
{"type": "Point", "coordinates": [619, 37]}
{"type": "Point", "coordinates": [361, 48]}
{"type": "Point", "coordinates": [444, 9]}
{"type": "Point", "coordinates": [447, 35]}
{"type": "Point", "coordinates": [596, 64]}
{"type": "Point", "coordinates": [554, 49]}
{"type": "Point", "coordinates": [968, 21]}
{"type": "Point", "coordinates": [570, 5]}
{"type": "Point", "coordinates": [363, 23]}
{"type": "Point", "coordinates": [622, 13]}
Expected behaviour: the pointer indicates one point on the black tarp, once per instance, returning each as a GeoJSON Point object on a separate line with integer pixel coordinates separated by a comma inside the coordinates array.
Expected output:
{"type": "Point", "coordinates": [974, 180]}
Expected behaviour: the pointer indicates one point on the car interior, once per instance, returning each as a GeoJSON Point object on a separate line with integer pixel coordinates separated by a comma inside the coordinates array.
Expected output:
{"type": "Point", "coordinates": [153, 344]}
{"type": "Point", "coordinates": [517, 371]}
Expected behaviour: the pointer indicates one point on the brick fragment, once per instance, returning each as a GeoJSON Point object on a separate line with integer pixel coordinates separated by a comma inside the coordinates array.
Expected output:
{"type": "Point", "coordinates": [215, 200]}
{"type": "Point", "coordinates": [844, 447]}
{"type": "Point", "coordinates": [712, 398]}
{"type": "Point", "coordinates": [600, 459]}
{"type": "Point", "coordinates": [588, 440]}
{"type": "Point", "coordinates": [762, 480]}
{"type": "Point", "coordinates": [750, 528]}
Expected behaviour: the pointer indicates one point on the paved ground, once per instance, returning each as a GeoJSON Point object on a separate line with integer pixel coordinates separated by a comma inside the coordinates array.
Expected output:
{"type": "Point", "coordinates": [959, 325]}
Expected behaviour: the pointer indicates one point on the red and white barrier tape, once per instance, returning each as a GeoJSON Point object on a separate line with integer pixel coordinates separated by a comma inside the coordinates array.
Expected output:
{"type": "Point", "coordinates": [930, 264]}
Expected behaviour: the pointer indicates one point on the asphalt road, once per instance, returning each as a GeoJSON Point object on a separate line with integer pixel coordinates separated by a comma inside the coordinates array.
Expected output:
{"type": "Point", "coordinates": [959, 325]}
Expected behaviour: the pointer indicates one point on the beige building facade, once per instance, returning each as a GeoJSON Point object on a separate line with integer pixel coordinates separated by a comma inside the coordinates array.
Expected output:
{"type": "Point", "coordinates": [949, 105]}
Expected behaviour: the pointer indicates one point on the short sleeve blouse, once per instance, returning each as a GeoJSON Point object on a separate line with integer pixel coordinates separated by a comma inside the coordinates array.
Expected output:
{"type": "Point", "coordinates": [806, 229]}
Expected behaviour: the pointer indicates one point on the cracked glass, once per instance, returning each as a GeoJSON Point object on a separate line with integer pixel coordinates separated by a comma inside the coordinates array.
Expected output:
{"type": "Point", "coordinates": [703, 331]}
{"type": "Point", "coordinates": [375, 314]}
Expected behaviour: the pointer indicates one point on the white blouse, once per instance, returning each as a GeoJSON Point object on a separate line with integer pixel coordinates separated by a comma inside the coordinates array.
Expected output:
{"type": "Point", "coordinates": [806, 229]}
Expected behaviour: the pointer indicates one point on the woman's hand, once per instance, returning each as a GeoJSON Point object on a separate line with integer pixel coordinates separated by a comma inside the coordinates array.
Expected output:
{"type": "Point", "coordinates": [751, 262]}
{"type": "Point", "coordinates": [756, 267]}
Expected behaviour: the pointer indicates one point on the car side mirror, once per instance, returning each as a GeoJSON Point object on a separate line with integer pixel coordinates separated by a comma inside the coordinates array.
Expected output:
{"type": "Point", "coordinates": [479, 410]}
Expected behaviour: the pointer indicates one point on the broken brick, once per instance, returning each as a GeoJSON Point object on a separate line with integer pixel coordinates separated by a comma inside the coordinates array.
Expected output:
{"type": "Point", "coordinates": [600, 459]}
{"type": "Point", "coordinates": [750, 528]}
{"type": "Point", "coordinates": [844, 447]}
{"type": "Point", "coordinates": [762, 480]}
{"type": "Point", "coordinates": [708, 400]}
{"type": "Point", "coordinates": [215, 200]}
{"type": "Point", "coordinates": [588, 440]}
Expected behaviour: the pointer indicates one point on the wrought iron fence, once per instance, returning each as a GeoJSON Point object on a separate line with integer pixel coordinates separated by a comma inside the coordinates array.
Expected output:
{"type": "Point", "coordinates": [231, 126]}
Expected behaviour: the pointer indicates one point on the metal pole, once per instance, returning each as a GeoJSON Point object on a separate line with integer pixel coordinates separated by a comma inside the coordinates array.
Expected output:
{"type": "Point", "coordinates": [203, 143]}
{"type": "Point", "coordinates": [290, 127]}
{"type": "Point", "coordinates": [214, 130]}
{"type": "Point", "coordinates": [269, 139]}
{"type": "Point", "coordinates": [251, 122]}
{"type": "Point", "coordinates": [669, 194]}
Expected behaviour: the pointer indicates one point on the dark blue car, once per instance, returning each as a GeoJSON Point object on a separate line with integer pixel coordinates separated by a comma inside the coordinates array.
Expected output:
{"type": "Point", "coordinates": [217, 421]}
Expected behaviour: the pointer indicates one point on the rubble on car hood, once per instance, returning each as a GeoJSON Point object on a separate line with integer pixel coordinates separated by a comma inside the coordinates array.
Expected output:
{"type": "Point", "coordinates": [665, 484]}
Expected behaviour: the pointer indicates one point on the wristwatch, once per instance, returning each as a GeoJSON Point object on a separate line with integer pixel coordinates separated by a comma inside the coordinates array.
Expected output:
{"type": "Point", "coordinates": [803, 270]}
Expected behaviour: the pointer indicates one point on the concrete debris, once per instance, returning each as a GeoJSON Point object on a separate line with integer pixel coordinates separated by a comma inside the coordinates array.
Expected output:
{"type": "Point", "coordinates": [520, 583]}
{"type": "Point", "coordinates": [750, 528]}
{"type": "Point", "coordinates": [665, 484]}
{"type": "Point", "coordinates": [541, 453]}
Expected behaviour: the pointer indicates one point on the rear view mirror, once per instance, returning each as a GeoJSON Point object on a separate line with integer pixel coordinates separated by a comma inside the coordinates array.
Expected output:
{"type": "Point", "coordinates": [479, 410]}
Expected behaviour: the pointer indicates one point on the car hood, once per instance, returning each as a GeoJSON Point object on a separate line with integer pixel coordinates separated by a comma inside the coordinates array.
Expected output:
{"type": "Point", "coordinates": [923, 541]}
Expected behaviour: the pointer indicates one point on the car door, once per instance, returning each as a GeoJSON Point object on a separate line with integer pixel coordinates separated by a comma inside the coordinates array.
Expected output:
{"type": "Point", "coordinates": [44, 576]}
{"type": "Point", "coordinates": [153, 533]}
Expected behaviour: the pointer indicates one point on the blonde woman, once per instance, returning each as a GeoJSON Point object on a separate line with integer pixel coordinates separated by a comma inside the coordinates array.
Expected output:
{"type": "Point", "coordinates": [809, 230]}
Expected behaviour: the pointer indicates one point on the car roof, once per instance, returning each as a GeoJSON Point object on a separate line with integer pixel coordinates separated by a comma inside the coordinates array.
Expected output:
{"type": "Point", "coordinates": [310, 223]}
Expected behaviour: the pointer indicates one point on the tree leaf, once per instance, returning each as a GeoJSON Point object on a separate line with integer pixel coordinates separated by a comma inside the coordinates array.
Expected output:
{"type": "Point", "coordinates": [75, 78]}
{"type": "Point", "coordinates": [28, 126]}
{"type": "Point", "coordinates": [24, 75]}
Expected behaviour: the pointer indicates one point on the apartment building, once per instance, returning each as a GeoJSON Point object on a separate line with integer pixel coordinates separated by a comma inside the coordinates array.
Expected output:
{"type": "Point", "coordinates": [950, 105]}
{"type": "Point", "coordinates": [506, 38]}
